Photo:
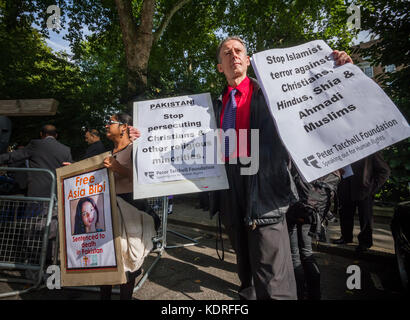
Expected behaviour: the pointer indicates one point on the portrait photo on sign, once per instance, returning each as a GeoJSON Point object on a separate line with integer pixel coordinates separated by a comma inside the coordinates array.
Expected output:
{"type": "Point", "coordinates": [87, 214]}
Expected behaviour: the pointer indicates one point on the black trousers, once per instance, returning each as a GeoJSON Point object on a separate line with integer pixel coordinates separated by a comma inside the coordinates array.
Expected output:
{"type": "Point", "coordinates": [204, 200]}
{"type": "Point", "coordinates": [126, 289]}
{"type": "Point", "coordinates": [263, 254]}
{"type": "Point", "coordinates": [365, 210]}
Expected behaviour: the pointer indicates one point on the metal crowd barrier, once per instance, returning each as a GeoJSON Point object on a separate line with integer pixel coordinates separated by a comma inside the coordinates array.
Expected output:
{"type": "Point", "coordinates": [24, 230]}
{"type": "Point", "coordinates": [160, 205]}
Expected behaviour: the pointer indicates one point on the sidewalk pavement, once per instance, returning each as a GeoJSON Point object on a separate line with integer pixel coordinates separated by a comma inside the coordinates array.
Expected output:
{"type": "Point", "coordinates": [196, 272]}
{"type": "Point", "coordinates": [185, 214]}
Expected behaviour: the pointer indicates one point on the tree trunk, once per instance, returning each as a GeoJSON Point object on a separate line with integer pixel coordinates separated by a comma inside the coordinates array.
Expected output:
{"type": "Point", "coordinates": [137, 44]}
{"type": "Point", "coordinates": [138, 41]}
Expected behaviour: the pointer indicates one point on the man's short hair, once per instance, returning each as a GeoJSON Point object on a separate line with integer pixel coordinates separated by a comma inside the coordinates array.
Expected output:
{"type": "Point", "coordinates": [237, 38]}
{"type": "Point", "coordinates": [49, 130]}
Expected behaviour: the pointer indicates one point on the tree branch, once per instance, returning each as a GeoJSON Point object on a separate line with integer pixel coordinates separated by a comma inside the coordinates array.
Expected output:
{"type": "Point", "coordinates": [147, 17]}
{"type": "Point", "coordinates": [167, 18]}
{"type": "Point", "coordinates": [128, 29]}
{"type": "Point", "coordinates": [137, 42]}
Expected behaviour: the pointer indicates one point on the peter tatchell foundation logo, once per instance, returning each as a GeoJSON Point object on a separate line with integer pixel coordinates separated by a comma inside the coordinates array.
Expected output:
{"type": "Point", "coordinates": [149, 174]}
{"type": "Point", "coordinates": [311, 161]}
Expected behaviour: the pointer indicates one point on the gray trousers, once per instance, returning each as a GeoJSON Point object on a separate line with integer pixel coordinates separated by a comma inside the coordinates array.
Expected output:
{"type": "Point", "coordinates": [263, 255]}
{"type": "Point", "coordinates": [306, 268]}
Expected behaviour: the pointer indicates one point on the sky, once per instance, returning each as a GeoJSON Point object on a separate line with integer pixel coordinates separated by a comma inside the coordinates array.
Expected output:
{"type": "Point", "coordinates": [57, 43]}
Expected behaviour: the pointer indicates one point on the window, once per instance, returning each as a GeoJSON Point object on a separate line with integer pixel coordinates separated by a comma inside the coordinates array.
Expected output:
{"type": "Point", "coordinates": [368, 70]}
{"type": "Point", "coordinates": [390, 68]}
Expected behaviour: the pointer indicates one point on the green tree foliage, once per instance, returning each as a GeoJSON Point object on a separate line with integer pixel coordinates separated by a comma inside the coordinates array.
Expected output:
{"type": "Point", "coordinates": [29, 70]}
{"type": "Point", "coordinates": [182, 58]}
{"type": "Point", "coordinates": [266, 24]}
{"type": "Point", "coordinates": [389, 21]}
{"type": "Point", "coordinates": [87, 89]}
{"type": "Point", "coordinates": [183, 61]}
{"type": "Point", "coordinates": [141, 25]}
{"type": "Point", "coordinates": [151, 49]}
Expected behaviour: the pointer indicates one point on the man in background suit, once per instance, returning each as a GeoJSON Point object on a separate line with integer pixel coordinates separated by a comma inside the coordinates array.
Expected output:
{"type": "Point", "coordinates": [92, 137]}
{"type": "Point", "coordinates": [45, 153]}
{"type": "Point", "coordinates": [358, 190]}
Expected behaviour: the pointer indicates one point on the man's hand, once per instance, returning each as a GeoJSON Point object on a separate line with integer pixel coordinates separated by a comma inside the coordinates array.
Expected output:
{"type": "Point", "coordinates": [341, 57]}
{"type": "Point", "coordinates": [134, 133]}
{"type": "Point", "coordinates": [66, 163]}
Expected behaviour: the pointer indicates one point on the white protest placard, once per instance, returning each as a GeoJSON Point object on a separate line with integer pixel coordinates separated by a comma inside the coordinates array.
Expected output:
{"type": "Point", "coordinates": [90, 248]}
{"type": "Point", "coordinates": [170, 156]}
{"type": "Point", "coordinates": [327, 116]}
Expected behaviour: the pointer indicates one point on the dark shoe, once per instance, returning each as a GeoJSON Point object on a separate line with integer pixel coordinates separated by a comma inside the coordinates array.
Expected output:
{"type": "Point", "coordinates": [361, 249]}
{"type": "Point", "coordinates": [341, 241]}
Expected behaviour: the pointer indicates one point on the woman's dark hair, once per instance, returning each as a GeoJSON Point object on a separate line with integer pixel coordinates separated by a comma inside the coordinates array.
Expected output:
{"type": "Point", "coordinates": [124, 118]}
{"type": "Point", "coordinates": [79, 226]}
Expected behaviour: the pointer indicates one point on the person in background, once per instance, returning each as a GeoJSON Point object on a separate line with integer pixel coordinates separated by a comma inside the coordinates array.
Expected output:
{"type": "Point", "coordinates": [45, 153]}
{"type": "Point", "coordinates": [20, 177]}
{"type": "Point", "coordinates": [304, 219]}
{"type": "Point", "coordinates": [203, 201]}
{"type": "Point", "coordinates": [92, 137]}
{"type": "Point", "coordinates": [357, 191]}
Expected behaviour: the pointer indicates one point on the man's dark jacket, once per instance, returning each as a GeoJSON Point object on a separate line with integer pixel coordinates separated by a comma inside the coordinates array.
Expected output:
{"type": "Point", "coordinates": [369, 175]}
{"type": "Point", "coordinates": [94, 149]}
{"type": "Point", "coordinates": [45, 153]}
{"type": "Point", "coordinates": [271, 189]}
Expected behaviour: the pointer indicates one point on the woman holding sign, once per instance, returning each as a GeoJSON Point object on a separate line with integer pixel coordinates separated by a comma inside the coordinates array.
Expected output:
{"type": "Point", "coordinates": [137, 228]}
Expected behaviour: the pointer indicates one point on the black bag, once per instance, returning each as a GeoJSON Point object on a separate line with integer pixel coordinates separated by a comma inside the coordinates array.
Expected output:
{"type": "Point", "coordinates": [315, 199]}
{"type": "Point", "coordinates": [8, 185]}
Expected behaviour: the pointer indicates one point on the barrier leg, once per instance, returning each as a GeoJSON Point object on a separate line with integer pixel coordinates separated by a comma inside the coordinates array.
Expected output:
{"type": "Point", "coordinates": [165, 218]}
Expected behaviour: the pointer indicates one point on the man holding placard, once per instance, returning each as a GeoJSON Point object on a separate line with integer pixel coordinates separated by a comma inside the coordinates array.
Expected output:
{"type": "Point", "coordinates": [253, 209]}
